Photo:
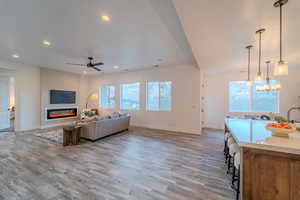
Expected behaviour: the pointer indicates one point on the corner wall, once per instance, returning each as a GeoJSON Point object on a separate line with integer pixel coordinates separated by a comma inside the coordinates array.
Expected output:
{"type": "Point", "coordinates": [185, 114]}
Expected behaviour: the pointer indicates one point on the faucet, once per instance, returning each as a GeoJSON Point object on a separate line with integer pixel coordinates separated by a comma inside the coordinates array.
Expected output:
{"type": "Point", "coordinates": [289, 112]}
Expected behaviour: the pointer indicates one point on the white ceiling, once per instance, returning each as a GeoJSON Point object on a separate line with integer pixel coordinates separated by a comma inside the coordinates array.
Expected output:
{"type": "Point", "coordinates": [219, 30]}
{"type": "Point", "coordinates": [140, 32]}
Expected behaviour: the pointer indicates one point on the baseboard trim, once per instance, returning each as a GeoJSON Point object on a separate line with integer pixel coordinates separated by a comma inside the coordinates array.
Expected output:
{"type": "Point", "coordinates": [169, 130]}
{"type": "Point", "coordinates": [213, 129]}
{"type": "Point", "coordinates": [26, 131]}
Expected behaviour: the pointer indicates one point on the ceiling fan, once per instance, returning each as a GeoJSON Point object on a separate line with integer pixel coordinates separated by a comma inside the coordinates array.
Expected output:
{"type": "Point", "coordinates": [90, 64]}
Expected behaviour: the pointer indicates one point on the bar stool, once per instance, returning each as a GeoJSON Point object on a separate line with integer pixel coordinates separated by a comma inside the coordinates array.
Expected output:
{"type": "Point", "coordinates": [236, 174]}
{"type": "Point", "coordinates": [229, 142]}
{"type": "Point", "coordinates": [233, 149]}
{"type": "Point", "coordinates": [226, 136]}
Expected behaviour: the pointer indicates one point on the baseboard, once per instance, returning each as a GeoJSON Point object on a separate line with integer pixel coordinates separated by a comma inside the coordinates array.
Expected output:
{"type": "Point", "coordinates": [26, 131]}
{"type": "Point", "coordinates": [194, 132]}
{"type": "Point", "coordinates": [213, 129]}
{"type": "Point", "coordinates": [209, 126]}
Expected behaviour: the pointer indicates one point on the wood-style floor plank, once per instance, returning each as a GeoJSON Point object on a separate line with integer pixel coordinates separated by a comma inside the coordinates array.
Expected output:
{"type": "Point", "coordinates": [141, 164]}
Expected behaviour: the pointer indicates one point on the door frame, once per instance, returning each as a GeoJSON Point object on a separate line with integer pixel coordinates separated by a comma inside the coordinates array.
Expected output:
{"type": "Point", "coordinates": [12, 96]}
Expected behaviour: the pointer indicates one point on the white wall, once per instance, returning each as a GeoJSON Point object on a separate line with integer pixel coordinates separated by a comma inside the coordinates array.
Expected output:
{"type": "Point", "coordinates": [4, 102]}
{"type": "Point", "coordinates": [27, 94]}
{"type": "Point", "coordinates": [185, 114]}
{"type": "Point", "coordinates": [216, 98]}
{"type": "Point", "coordinates": [53, 79]}
{"type": "Point", "coordinates": [84, 90]}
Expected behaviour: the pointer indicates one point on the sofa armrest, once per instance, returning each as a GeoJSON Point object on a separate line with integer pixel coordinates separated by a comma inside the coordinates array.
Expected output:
{"type": "Point", "coordinates": [89, 130]}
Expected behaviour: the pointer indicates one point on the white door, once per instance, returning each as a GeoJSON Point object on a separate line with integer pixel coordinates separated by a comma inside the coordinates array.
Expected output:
{"type": "Point", "coordinates": [4, 103]}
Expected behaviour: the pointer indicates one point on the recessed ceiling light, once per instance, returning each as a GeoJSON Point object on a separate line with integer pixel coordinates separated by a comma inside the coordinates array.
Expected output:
{"type": "Point", "coordinates": [116, 67]}
{"type": "Point", "coordinates": [15, 56]}
{"type": "Point", "coordinates": [105, 18]}
{"type": "Point", "coordinates": [46, 43]}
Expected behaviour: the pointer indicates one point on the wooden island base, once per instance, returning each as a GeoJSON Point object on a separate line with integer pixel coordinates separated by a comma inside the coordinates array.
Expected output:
{"type": "Point", "coordinates": [270, 165]}
{"type": "Point", "coordinates": [269, 175]}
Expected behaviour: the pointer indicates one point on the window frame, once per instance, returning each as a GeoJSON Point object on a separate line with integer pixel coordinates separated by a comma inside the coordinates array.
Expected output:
{"type": "Point", "coordinates": [139, 95]}
{"type": "Point", "coordinates": [251, 88]}
{"type": "Point", "coordinates": [171, 97]}
{"type": "Point", "coordinates": [100, 95]}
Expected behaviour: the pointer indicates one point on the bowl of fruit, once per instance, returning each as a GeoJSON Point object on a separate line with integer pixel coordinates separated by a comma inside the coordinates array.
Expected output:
{"type": "Point", "coordinates": [281, 129]}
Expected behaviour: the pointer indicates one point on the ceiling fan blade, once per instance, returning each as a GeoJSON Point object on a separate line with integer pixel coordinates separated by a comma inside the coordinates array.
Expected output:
{"type": "Point", "coordinates": [76, 64]}
{"type": "Point", "coordinates": [95, 68]}
{"type": "Point", "coordinates": [99, 63]}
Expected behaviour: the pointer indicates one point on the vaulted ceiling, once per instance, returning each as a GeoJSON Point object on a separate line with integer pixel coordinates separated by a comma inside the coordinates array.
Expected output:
{"type": "Point", "coordinates": [143, 33]}
{"type": "Point", "coordinates": [140, 33]}
{"type": "Point", "coordinates": [219, 30]}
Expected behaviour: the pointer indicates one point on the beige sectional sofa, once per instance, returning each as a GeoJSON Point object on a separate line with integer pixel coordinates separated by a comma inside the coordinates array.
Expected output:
{"type": "Point", "coordinates": [104, 126]}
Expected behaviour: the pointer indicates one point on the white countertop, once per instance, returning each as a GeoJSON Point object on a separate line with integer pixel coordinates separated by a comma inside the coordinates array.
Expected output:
{"type": "Point", "coordinates": [253, 134]}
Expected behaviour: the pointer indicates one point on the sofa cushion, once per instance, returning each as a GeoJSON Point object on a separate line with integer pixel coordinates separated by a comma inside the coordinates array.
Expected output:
{"type": "Point", "coordinates": [115, 116]}
{"type": "Point", "coordinates": [124, 114]}
{"type": "Point", "coordinates": [99, 118]}
{"type": "Point", "coordinates": [88, 119]}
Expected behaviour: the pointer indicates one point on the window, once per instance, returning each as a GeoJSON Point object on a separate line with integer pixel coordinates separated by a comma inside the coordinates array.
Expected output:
{"type": "Point", "coordinates": [264, 101]}
{"type": "Point", "coordinates": [243, 98]}
{"type": "Point", "coordinates": [159, 96]}
{"type": "Point", "coordinates": [108, 96]}
{"type": "Point", "coordinates": [239, 94]}
{"type": "Point", "coordinates": [130, 96]}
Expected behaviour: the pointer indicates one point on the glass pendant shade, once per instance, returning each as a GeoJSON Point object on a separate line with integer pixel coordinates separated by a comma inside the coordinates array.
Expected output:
{"type": "Point", "coordinates": [259, 88]}
{"type": "Point", "coordinates": [249, 83]}
{"type": "Point", "coordinates": [267, 87]}
{"type": "Point", "coordinates": [258, 77]}
{"type": "Point", "coordinates": [281, 69]}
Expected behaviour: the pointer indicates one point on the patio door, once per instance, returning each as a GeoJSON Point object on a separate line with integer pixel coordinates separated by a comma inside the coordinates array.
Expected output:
{"type": "Point", "coordinates": [4, 103]}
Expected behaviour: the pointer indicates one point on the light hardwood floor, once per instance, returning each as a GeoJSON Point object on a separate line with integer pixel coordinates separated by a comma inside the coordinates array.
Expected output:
{"type": "Point", "coordinates": [141, 164]}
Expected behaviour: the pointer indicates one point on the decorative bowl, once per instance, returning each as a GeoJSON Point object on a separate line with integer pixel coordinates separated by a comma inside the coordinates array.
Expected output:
{"type": "Point", "coordinates": [298, 127]}
{"type": "Point", "coordinates": [281, 132]}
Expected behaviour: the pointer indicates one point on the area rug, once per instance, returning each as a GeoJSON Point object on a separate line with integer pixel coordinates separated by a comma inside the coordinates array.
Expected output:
{"type": "Point", "coordinates": [55, 135]}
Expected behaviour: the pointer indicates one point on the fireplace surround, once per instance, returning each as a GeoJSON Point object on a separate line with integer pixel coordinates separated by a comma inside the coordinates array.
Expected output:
{"type": "Point", "coordinates": [61, 113]}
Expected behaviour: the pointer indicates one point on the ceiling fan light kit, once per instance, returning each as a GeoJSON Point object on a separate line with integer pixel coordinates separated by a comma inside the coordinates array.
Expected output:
{"type": "Point", "coordinates": [90, 64]}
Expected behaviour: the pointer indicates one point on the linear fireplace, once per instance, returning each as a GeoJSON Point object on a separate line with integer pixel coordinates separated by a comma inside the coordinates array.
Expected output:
{"type": "Point", "coordinates": [61, 113]}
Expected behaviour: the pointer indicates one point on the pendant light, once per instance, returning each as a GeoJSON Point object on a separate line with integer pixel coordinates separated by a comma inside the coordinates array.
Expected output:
{"type": "Point", "coordinates": [259, 73]}
{"type": "Point", "coordinates": [268, 86]}
{"type": "Point", "coordinates": [249, 82]}
{"type": "Point", "coordinates": [281, 68]}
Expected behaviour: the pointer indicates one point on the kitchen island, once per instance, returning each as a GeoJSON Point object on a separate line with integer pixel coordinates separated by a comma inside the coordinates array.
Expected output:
{"type": "Point", "coordinates": [270, 166]}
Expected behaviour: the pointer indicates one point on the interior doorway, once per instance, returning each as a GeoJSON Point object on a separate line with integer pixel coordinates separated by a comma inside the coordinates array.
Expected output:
{"type": "Point", "coordinates": [7, 104]}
